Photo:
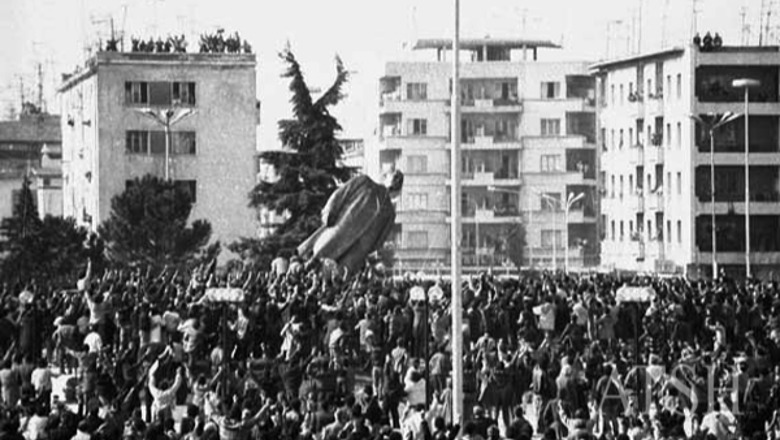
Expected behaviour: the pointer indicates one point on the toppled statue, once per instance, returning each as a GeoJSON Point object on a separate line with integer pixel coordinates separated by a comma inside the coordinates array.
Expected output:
{"type": "Point", "coordinates": [357, 220]}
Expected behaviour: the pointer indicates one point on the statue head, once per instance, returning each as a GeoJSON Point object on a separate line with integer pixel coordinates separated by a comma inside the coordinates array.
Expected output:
{"type": "Point", "coordinates": [394, 181]}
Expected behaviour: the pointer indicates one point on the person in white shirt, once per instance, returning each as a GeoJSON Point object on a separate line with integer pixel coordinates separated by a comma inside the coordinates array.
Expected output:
{"type": "Point", "coordinates": [164, 394]}
{"type": "Point", "coordinates": [546, 314]}
{"type": "Point", "coordinates": [93, 340]}
{"type": "Point", "coordinates": [41, 381]}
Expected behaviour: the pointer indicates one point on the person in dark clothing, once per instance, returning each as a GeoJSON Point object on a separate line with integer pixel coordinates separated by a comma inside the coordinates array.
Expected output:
{"type": "Point", "coordinates": [520, 428]}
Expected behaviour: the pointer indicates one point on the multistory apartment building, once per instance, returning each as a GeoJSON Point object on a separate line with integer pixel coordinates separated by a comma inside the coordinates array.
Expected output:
{"type": "Point", "coordinates": [109, 138]}
{"type": "Point", "coordinates": [528, 139]}
{"type": "Point", "coordinates": [655, 160]}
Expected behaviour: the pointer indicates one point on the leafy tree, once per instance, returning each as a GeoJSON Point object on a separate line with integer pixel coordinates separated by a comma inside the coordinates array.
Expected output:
{"type": "Point", "coordinates": [516, 244]}
{"type": "Point", "coordinates": [308, 172]}
{"type": "Point", "coordinates": [54, 247]}
{"type": "Point", "coordinates": [148, 225]}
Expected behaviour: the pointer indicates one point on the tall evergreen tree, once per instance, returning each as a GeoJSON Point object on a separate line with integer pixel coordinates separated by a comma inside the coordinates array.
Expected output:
{"type": "Point", "coordinates": [21, 235]}
{"type": "Point", "coordinates": [308, 172]}
{"type": "Point", "coordinates": [54, 247]}
{"type": "Point", "coordinates": [148, 225]}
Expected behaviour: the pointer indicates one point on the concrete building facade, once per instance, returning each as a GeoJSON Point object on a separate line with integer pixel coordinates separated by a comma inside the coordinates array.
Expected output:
{"type": "Point", "coordinates": [528, 139]}
{"type": "Point", "coordinates": [31, 146]}
{"type": "Point", "coordinates": [655, 161]}
{"type": "Point", "coordinates": [108, 142]}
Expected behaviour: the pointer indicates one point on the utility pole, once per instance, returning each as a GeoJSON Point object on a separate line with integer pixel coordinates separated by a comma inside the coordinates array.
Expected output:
{"type": "Point", "coordinates": [40, 86]}
{"type": "Point", "coordinates": [455, 234]}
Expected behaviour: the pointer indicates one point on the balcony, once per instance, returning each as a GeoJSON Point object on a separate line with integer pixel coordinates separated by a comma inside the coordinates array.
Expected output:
{"type": "Point", "coordinates": [489, 178]}
{"type": "Point", "coordinates": [489, 142]}
{"type": "Point", "coordinates": [389, 131]}
{"type": "Point", "coordinates": [500, 105]}
{"type": "Point", "coordinates": [497, 215]}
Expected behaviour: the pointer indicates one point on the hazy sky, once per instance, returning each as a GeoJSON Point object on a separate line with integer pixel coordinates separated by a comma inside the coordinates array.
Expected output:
{"type": "Point", "coordinates": [365, 33]}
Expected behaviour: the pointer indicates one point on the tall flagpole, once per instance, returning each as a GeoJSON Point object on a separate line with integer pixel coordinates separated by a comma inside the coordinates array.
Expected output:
{"type": "Point", "coordinates": [455, 237]}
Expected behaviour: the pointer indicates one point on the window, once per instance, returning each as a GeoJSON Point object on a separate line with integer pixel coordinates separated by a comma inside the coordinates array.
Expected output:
{"type": "Point", "coordinates": [679, 231]}
{"type": "Point", "coordinates": [417, 91]}
{"type": "Point", "coordinates": [417, 164]}
{"type": "Point", "coordinates": [669, 183]}
{"type": "Point", "coordinates": [612, 135]}
{"type": "Point", "coordinates": [418, 127]}
{"type": "Point", "coordinates": [620, 145]}
{"type": "Point", "coordinates": [550, 201]}
{"type": "Point", "coordinates": [613, 185]}
{"type": "Point", "coordinates": [417, 201]}
{"type": "Point", "coordinates": [136, 92]}
{"type": "Point", "coordinates": [160, 93]}
{"type": "Point", "coordinates": [417, 240]}
{"type": "Point", "coordinates": [669, 85]}
{"type": "Point", "coordinates": [137, 142]}
{"type": "Point", "coordinates": [183, 93]}
{"type": "Point", "coordinates": [550, 163]}
{"type": "Point", "coordinates": [552, 238]}
{"type": "Point", "coordinates": [189, 186]}
{"type": "Point", "coordinates": [679, 183]}
{"type": "Point", "coordinates": [631, 137]}
{"type": "Point", "coordinates": [649, 86]}
{"type": "Point", "coordinates": [621, 186]}
{"type": "Point", "coordinates": [679, 135]}
{"type": "Point", "coordinates": [668, 135]}
{"type": "Point", "coordinates": [630, 228]}
{"type": "Point", "coordinates": [551, 90]}
{"type": "Point", "coordinates": [622, 230]}
{"type": "Point", "coordinates": [679, 86]}
{"type": "Point", "coordinates": [630, 183]}
{"type": "Point", "coordinates": [669, 231]}
{"type": "Point", "coordinates": [649, 230]}
{"type": "Point", "coordinates": [183, 142]}
{"type": "Point", "coordinates": [153, 142]}
{"type": "Point", "coordinates": [551, 127]}
{"type": "Point", "coordinates": [621, 94]}
{"type": "Point", "coordinates": [612, 93]}
{"type": "Point", "coordinates": [612, 229]}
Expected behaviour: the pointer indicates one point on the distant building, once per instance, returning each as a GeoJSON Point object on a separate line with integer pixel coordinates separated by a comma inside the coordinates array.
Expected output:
{"type": "Point", "coordinates": [108, 142]}
{"type": "Point", "coordinates": [31, 145]}
{"type": "Point", "coordinates": [354, 154]}
{"type": "Point", "coordinates": [528, 140]}
{"type": "Point", "coordinates": [656, 160]}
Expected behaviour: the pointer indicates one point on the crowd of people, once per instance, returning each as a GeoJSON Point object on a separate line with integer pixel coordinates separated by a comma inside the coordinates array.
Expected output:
{"type": "Point", "coordinates": [306, 352]}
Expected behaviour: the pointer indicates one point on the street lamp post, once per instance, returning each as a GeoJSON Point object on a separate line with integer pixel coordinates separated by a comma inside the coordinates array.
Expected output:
{"type": "Point", "coordinates": [570, 200]}
{"type": "Point", "coordinates": [746, 83]}
{"type": "Point", "coordinates": [555, 205]}
{"type": "Point", "coordinates": [712, 124]}
{"type": "Point", "coordinates": [476, 229]}
{"type": "Point", "coordinates": [167, 118]}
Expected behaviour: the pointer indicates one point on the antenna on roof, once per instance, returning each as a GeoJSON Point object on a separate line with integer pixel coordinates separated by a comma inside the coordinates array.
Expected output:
{"type": "Point", "coordinates": [665, 24]}
{"type": "Point", "coordinates": [745, 26]}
